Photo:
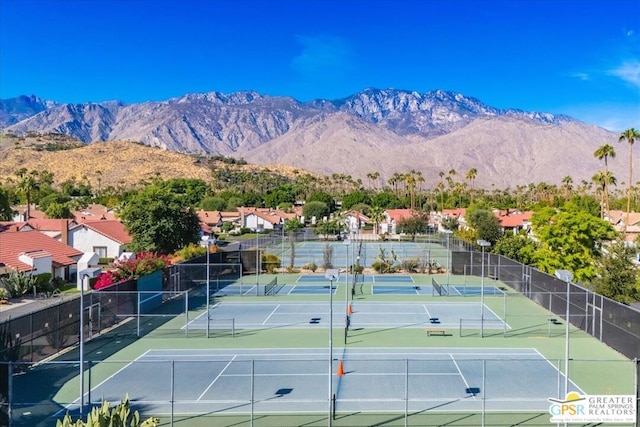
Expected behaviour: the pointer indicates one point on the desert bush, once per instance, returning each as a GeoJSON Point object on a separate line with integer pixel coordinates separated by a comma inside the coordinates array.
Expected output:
{"type": "Point", "coordinates": [410, 265]}
{"type": "Point", "coordinates": [17, 284]}
{"type": "Point", "coordinates": [310, 266]}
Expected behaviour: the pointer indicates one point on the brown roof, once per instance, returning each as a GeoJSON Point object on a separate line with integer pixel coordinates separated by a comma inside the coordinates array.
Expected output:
{"type": "Point", "coordinates": [114, 230]}
{"type": "Point", "coordinates": [14, 243]}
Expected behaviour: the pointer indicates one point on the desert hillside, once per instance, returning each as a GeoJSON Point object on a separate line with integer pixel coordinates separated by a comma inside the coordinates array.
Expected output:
{"type": "Point", "coordinates": [117, 163]}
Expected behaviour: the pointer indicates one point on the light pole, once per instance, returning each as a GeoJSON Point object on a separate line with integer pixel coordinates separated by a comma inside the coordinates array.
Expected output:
{"type": "Point", "coordinates": [448, 233]}
{"type": "Point", "coordinates": [346, 242]}
{"type": "Point", "coordinates": [207, 242]}
{"type": "Point", "coordinates": [483, 244]}
{"type": "Point", "coordinates": [81, 346]}
{"type": "Point", "coordinates": [332, 275]}
{"type": "Point", "coordinates": [566, 276]}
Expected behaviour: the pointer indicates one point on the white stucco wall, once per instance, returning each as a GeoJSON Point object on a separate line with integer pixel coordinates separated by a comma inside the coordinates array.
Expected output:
{"type": "Point", "coordinates": [84, 239]}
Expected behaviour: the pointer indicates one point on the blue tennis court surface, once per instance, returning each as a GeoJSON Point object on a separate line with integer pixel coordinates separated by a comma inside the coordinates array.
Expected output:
{"type": "Point", "coordinates": [378, 278]}
{"type": "Point", "coordinates": [236, 381]}
{"type": "Point", "coordinates": [264, 315]}
{"type": "Point", "coordinates": [401, 290]}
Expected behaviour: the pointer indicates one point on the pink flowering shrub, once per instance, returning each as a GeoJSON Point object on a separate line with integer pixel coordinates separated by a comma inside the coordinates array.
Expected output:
{"type": "Point", "coordinates": [144, 263]}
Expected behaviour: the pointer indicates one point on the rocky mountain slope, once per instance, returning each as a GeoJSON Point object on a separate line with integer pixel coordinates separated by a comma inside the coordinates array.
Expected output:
{"type": "Point", "coordinates": [386, 131]}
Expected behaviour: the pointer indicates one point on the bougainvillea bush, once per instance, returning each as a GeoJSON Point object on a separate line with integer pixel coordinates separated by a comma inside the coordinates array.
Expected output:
{"type": "Point", "coordinates": [144, 263]}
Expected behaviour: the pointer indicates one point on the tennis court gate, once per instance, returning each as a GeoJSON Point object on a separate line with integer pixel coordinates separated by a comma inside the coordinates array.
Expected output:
{"type": "Point", "coordinates": [609, 321]}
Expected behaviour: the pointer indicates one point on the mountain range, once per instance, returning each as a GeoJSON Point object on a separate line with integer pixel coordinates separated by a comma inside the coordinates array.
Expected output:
{"type": "Point", "coordinates": [386, 131]}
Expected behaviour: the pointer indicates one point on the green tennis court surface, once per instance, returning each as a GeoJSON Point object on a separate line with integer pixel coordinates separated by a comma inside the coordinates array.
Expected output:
{"type": "Point", "coordinates": [422, 357]}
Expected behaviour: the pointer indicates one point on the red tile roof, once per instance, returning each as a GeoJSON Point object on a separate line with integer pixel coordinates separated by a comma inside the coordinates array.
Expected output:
{"type": "Point", "coordinates": [14, 243]}
{"type": "Point", "coordinates": [398, 214]}
{"type": "Point", "coordinates": [515, 220]}
{"type": "Point", "coordinates": [94, 212]}
{"type": "Point", "coordinates": [114, 230]}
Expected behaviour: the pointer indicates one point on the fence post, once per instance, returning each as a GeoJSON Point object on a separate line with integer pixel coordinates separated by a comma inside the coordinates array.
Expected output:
{"type": "Point", "coordinates": [186, 313]}
{"type": "Point", "coordinates": [173, 362]}
{"type": "Point", "coordinates": [406, 392]}
{"type": "Point", "coordinates": [9, 391]}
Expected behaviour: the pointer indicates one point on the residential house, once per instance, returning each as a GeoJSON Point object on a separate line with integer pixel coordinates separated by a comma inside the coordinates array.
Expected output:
{"type": "Point", "coordinates": [513, 221]}
{"type": "Point", "coordinates": [258, 219]}
{"type": "Point", "coordinates": [392, 218]}
{"type": "Point", "coordinates": [106, 238]}
{"type": "Point", "coordinates": [94, 212]}
{"type": "Point", "coordinates": [356, 221]}
{"type": "Point", "coordinates": [617, 219]}
{"type": "Point", "coordinates": [35, 253]}
{"type": "Point", "coordinates": [21, 213]}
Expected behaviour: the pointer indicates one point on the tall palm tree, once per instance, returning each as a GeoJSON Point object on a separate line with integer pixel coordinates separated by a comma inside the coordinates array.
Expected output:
{"type": "Point", "coordinates": [603, 179]}
{"type": "Point", "coordinates": [567, 182]}
{"type": "Point", "coordinates": [28, 184]}
{"type": "Point", "coordinates": [605, 152]}
{"type": "Point", "coordinates": [471, 176]}
{"type": "Point", "coordinates": [376, 214]}
{"type": "Point", "coordinates": [630, 135]}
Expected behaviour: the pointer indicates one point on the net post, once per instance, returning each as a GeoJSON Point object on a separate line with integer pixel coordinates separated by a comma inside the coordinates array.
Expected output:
{"type": "Point", "coordinates": [460, 328]}
{"type": "Point", "coordinates": [233, 327]}
{"type": "Point", "coordinates": [138, 320]}
{"type": "Point", "coordinates": [173, 376]}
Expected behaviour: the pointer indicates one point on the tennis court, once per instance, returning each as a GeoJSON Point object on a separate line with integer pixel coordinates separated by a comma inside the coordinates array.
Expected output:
{"type": "Point", "coordinates": [375, 380]}
{"type": "Point", "coordinates": [314, 314]}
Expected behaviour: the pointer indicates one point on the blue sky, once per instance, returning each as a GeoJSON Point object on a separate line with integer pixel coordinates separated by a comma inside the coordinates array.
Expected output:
{"type": "Point", "coordinates": [580, 58]}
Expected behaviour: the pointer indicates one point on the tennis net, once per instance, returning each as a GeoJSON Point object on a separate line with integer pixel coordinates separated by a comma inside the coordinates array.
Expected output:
{"type": "Point", "coordinates": [437, 287]}
{"type": "Point", "coordinates": [272, 288]}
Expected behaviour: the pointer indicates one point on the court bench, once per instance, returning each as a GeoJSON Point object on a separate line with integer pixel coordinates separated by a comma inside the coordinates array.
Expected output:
{"type": "Point", "coordinates": [441, 332]}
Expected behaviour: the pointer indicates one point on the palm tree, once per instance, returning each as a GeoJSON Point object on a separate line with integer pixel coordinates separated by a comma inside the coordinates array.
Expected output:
{"type": "Point", "coordinates": [603, 179]}
{"type": "Point", "coordinates": [471, 176]}
{"type": "Point", "coordinates": [27, 185]}
{"type": "Point", "coordinates": [376, 214]}
{"type": "Point", "coordinates": [603, 153]}
{"type": "Point", "coordinates": [568, 186]}
{"type": "Point", "coordinates": [630, 135]}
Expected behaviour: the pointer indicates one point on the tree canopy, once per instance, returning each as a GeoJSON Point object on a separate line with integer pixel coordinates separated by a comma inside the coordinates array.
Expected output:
{"type": "Point", "coordinates": [569, 239]}
{"type": "Point", "coordinates": [158, 221]}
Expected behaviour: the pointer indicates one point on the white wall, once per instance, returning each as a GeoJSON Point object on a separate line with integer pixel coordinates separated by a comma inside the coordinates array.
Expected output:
{"type": "Point", "coordinates": [85, 239]}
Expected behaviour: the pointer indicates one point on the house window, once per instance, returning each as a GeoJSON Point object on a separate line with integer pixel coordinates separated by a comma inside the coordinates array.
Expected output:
{"type": "Point", "coordinates": [101, 251]}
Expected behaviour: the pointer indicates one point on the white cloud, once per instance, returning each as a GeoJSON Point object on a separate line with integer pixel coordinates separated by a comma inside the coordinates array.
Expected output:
{"type": "Point", "coordinates": [628, 71]}
{"type": "Point", "coordinates": [581, 76]}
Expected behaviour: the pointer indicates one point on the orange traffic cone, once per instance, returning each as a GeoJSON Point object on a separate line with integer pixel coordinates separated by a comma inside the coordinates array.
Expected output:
{"type": "Point", "coordinates": [340, 369]}
{"type": "Point", "coordinates": [350, 310]}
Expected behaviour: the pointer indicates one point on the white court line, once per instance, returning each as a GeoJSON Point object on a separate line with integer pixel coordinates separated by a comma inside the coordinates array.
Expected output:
{"type": "Point", "coordinates": [498, 317]}
{"type": "Point", "coordinates": [558, 370]}
{"type": "Point", "coordinates": [463, 378]}
{"type": "Point", "coordinates": [250, 289]}
{"type": "Point", "coordinates": [88, 392]}
{"type": "Point", "coordinates": [425, 309]}
{"type": "Point", "coordinates": [291, 290]}
{"type": "Point", "coordinates": [272, 313]}
{"type": "Point", "coordinates": [216, 378]}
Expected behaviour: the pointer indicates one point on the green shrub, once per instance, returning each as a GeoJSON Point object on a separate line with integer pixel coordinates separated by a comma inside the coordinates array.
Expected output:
{"type": "Point", "coordinates": [270, 262]}
{"type": "Point", "coordinates": [43, 283]}
{"type": "Point", "coordinates": [105, 261]}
